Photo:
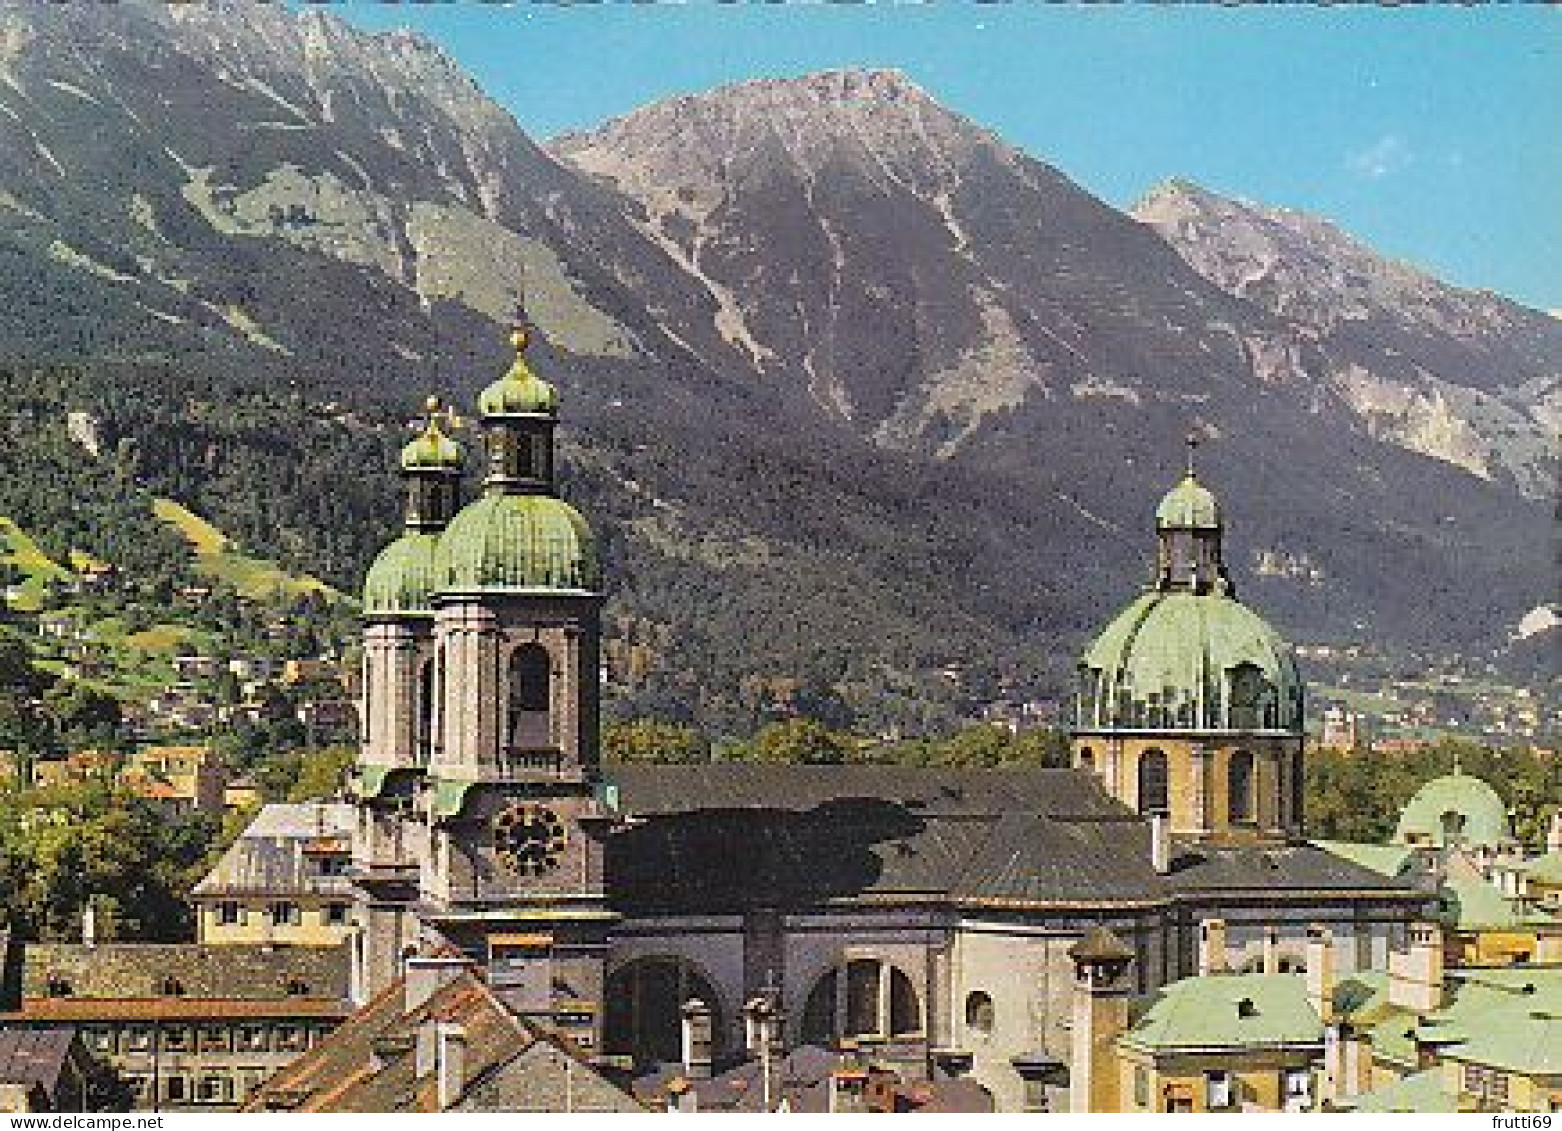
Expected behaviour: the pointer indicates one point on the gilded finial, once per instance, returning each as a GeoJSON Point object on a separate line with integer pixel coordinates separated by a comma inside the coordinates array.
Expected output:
{"type": "Point", "coordinates": [1192, 440]}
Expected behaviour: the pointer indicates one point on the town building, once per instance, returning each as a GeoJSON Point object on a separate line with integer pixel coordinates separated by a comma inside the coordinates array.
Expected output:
{"type": "Point", "coordinates": [283, 881]}
{"type": "Point", "coordinates": [439, 1039]}
{"type": "Point", "coordinates": [924, 917]}
{"type": "Point", "coordinates": [190, 1027]}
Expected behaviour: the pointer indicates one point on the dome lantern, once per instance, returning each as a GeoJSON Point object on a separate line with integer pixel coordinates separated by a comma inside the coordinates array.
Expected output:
{"type": "Point", "coordinates": [401, 580]}
{"type": "Point", "coordinates": [520, 536]}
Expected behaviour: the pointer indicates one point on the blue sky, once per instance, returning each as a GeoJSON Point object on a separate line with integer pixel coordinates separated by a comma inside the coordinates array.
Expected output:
{"type": "Point", "coordinates": [1435, 134]}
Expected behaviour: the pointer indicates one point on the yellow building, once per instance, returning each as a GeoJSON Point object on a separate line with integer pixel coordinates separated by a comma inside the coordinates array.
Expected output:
{"type": "Point", "coordinates": [184, 776]}
{"type": "Point", "coordinates": [282, 881]}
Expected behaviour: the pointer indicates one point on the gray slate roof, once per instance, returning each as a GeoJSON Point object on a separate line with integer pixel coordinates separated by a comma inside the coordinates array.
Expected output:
{"type": "Point", "coordinates": [35, 1057]}
{"type": "Point", "coordinates": [272, 857]}
{"type": "Point", "coordinates": [140, 970]}
{"type": "Point", "coordinates": [729, 836]}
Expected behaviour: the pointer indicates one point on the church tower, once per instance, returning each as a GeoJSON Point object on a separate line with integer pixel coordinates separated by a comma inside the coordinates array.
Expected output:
{"type": "Point", "coordinates": [1189, 703]}
{"type": "Point", "coordinates": [512, 874]}
{"type": "Point", "coordinates": [400, 680]}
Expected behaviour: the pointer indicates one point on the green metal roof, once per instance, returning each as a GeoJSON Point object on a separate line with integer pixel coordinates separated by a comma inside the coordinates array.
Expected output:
{"type": "Point", "coordinates": [402, 580]}
{"type": "Point", "coordinates": [1188, 506]}
{"type": "Point", "coordinates": [371, 781]}
{"type": "Point", "coordinates": [1389, 860]}
{"type": "Point", "coordinates": [450, 796]}
{"type": "Point", "coordinates": [1528, 1042]}
{"type": "Point", "coordinates": [1182, 648]}
{"type": "Point", "coordinates": [1418, 1092]}
{"type": "Point", "coordinates": [520, 392]}
{"type": "Point", "coordinates": [1547, 869]}
{"type": "Point", "coordinates": [1468, 802]}
{"type": "Point", "coordinates": [505, 541]}
{"type": "Point", "coordinates": [1228, 1011]}
{"type": "Point", "coordinates": [1475, 905]}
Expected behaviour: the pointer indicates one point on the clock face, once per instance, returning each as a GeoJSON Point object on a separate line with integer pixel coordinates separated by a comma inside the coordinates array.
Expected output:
{"type": "Point", "coordinates": [529, 839]}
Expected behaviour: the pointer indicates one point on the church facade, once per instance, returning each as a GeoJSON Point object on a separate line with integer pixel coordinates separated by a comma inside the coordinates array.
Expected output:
{"type": "Point", "coordinates": [921, 917]}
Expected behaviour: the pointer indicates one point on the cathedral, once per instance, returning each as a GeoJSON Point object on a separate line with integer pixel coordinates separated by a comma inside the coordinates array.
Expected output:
{"type": "Point", "coordinates": [923, 917]}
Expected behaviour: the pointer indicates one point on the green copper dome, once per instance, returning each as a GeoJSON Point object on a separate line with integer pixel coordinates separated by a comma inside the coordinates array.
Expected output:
{"type": "Point", "coordinates": [1455, 807]}
{"type": "Point", "coordinates": [432, 450]}
{"type": "Point", "coordinates": [402, 579]}
{"type": "Point", "coordinates": [1189, 506]}
{"type": "Point", "coordinates": [1180, 660]}
{"type": "Point", "coordinates": [503, 541]}
{"type": "Point", "coordinates": [520, 392]}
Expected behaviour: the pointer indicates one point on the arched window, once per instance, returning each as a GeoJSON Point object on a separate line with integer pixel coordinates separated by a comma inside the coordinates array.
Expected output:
{"type": "Point", "coordinates": [1452, 823]}
{"type": "Point", "coordinates": [1087, 759]}
{"type": "Point", "coordinates": [529, 697]}
{"type": "Point", "coordinates": [425, 749]}
{"type": "Point", "coordinates": [1089, 682]}
{"type": "Point", "coordinates": [644, 1004]}
{"type": "Point", "coordinates": [1250, 696]}
{"type": "Point", "coordinates": [979, 1013]}
{"type": "Point", "coordinates": [865, 997]}
{"type": "Point", "coordinates": [1239, 787]}
{"type": "Point", "coordinates": [1153, 789]}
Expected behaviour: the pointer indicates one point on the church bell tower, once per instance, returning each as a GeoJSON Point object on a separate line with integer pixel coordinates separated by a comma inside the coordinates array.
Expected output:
{"type": "Point", "coordinates": [513, 875]}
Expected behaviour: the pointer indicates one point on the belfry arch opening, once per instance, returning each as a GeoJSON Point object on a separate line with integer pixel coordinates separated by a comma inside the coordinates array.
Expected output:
{"type": "Point", "coordinates": [425, 715]}
{"type": "Point", "coordinates": [528, 725]}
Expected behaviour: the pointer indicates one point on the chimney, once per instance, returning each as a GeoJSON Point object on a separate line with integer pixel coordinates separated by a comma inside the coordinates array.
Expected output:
{"type": "Point", "coordinates": [681, 1097]}
{"type": "Point", "coordinates": [1320, 972]}
{"type": "Point", "coordinates": [450, 1044]}
{"type": "Point", "coordinates": [1160, 843]}
{"type": "Point", "coordinates": [1415, 975]}
{"type": "Point", "coordinates": [89, 923]}
{"type": "Point", "coordinates": [1100, 1009]}
{"type": "Point", "coordinates": [424, 976]}
{"type": "Point", "coordinates": [697, 1037]}
{"type": "Point", "coordinates": [1554, 833]}
{"type": "Point", "coordinates": [1271, 950]}
{"type": "Point", "coordinates": [1212, 947]}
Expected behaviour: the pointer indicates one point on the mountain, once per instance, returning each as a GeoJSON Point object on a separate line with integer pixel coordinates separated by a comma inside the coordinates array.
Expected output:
{"type": "Point", "coordinates": [857, 394]}
{"type": "Point", "coordinates": [1464, 376]}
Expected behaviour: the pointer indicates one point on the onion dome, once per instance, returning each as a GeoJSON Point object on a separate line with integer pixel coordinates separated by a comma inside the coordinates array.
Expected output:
{"type": "Point", "coordinates": [520, 392]}
{"type": "Point", "coordinates": [1454, 809]}
{"type": "Point", "coordinates": [401, 582]}
{"type": "Point", "coordinates": [520, 536]}
{"type": "Point", "coordinates": [432, 450]}
{"type": "Point", "coordinates": [518, 542]}
{"type": "Point", "coordinates": [1188, 506]}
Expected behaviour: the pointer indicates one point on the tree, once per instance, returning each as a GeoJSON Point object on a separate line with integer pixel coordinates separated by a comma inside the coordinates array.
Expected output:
{"type": "Point", "coordinates": [800, 741]}
{"type": "Point", "coordinates": [646, 740]}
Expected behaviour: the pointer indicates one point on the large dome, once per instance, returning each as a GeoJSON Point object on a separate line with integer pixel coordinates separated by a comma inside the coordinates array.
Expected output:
{"type": "Point", "coordinates": [402, 578]}
{"type": "Point", "coordinates": [1456, 807]}
{"type": "Point", "coordinates": [1179, 660]}
{"type": "Point", "coordinates": [503, 541]}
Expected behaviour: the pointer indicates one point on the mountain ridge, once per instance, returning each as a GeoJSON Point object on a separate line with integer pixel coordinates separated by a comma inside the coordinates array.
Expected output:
{"type": "Point", "coordinates": [839, 423]}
